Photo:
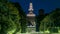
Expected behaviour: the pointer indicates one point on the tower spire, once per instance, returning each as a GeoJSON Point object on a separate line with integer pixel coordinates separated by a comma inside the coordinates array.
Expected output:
{"type": "Point", "coordinates": [30, 7]}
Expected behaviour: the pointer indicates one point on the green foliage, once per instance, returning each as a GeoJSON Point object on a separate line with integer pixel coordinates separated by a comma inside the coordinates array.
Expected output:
{"type": "Point", "coordinates": [51, 20]}
{"type": "Point", "coordinates": [23, 25]}
{"type": "Point", "coordinates": [9, 18]}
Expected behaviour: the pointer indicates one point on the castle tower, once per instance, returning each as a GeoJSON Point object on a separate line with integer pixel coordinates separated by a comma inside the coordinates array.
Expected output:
{"type": "Point", "coordinates": [31, 15]}
{"type": "Point", "coordinates": [31, 18]}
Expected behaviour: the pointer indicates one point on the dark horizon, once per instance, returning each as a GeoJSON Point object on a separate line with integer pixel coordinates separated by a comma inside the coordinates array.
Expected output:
{"type": "Point", "coordinates": [47, 5]}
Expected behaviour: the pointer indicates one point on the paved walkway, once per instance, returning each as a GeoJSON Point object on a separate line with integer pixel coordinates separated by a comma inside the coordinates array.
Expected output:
{"type": "Point", "coordinates": [39, 33]}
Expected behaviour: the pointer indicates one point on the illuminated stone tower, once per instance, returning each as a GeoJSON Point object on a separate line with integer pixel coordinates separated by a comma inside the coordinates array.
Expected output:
{"type": "Point", "coordinates": [31, 15]}
{"type": "Point", "coordinates": [31, 18]}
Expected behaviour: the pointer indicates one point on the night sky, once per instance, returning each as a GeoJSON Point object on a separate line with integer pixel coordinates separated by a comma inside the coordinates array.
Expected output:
{"type": "Point", "coordinates": [47, 5]}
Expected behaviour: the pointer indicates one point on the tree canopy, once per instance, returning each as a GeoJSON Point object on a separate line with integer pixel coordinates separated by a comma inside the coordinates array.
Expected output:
{"type": "Point", "coordinates": [10, 18]}
{"type": "Point", "coordinates": [51, 20]}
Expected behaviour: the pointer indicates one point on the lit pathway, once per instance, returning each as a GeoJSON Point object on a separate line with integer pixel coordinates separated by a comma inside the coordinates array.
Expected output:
{"type": "Point", "coordinates": [39, 33]}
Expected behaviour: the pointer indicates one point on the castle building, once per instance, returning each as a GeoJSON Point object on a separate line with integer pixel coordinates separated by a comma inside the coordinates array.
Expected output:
{"type": "Point", "coordinates": [31, 15]}
{"type": "Point", "coordinates": [31, 27]}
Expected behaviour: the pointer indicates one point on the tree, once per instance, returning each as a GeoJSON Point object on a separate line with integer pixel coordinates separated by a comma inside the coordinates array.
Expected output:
{"type": "Point", "coordinates": [51, 21]}
{"type": "Point", "coordinates": [9, 18]}
{"type": "Point", "coordinates": [39, 18]}
{"type": "Point", "coordinates": [22, 16]}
